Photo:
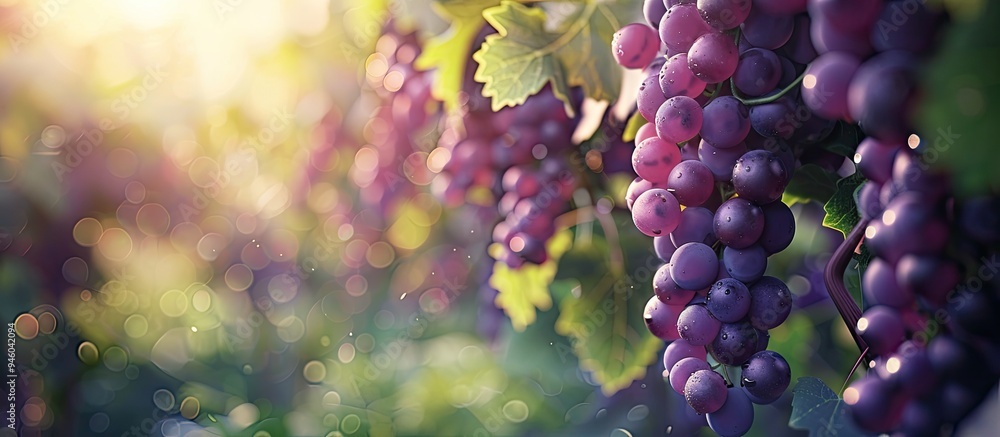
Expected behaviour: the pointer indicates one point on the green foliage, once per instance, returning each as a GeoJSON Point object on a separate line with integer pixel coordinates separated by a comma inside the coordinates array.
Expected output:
{"type": "Point", "coordinates": [632, 127]}
{"type": "Point", "coordinates": [841, 209]}
{"type": "Point", "coordinates": [817, 409]}
{"type": "Point", "coordinates": [601, 308]}
{"type": "Point", "coordinates": [526, 55]}
{"type": "Point", "coordinates": [810, 182]}
{"type": "Point", "coordinates": [448, 53]}
{"type": "Point", "coordinates": [962, 101]}
{"type": "Point", "coordinates": [525, 289]}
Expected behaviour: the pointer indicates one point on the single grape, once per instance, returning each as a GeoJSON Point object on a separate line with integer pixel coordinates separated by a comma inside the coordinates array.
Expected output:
{"type": "Point", "coordinates": [678, 119]}
{"type": "Point", "coordinates": [681, 371]}
{"type": "Point", "coordinates": [827, 38]}
{"type": "Point", "coordinates": [779, 227]}
{"type": "Point", "coordinates": [695, 227]}
{"type": "Point", "coordinates": [775, 119]}
{"type": "Point", "coordinates": [875, 159]}
{"type": "Point", "coordinates": [681, 26]}
{"type": "Point", "coordinates": [726, 122]}
{"type": "Point", "coordinates": [728, 300]}
{"type": "Point", "coordinates": [661, 319]}
{"type": "Point", "coordinates": [881, 94]}
{"type": "Point", "coordinates": [647, 130]}
{"type": "Point", "coordinates": [667, 290]}
{"type": "Point", "coordinates": [694, 266]}
{"type": "Point", "coordinates": [735, 416]}
{"type": "Point", "coordinates": [770, 303]}
{"type": "Point", "coordinates": [868, 202]}
{"type": "Point", "coordinates": [765, 377]}
{"type": "Point", "coordinates": [873, 404]}
{"type": "Point", "coordinates": [882, 328]}
{"type": "Point", "coordinates": [767, 31]}
{"type": "Point", "coordinates": [724, 14]}
{"type": "Point", "coordinates": [906, 216]}
{"type": "Point", "coordinates": [735, 343]}
{"type": "Point", "coordinates": [879, 286]}
{"type": "Point", "coordinates": [635, 45]}
{"type": "Point", "coordinates": [758, 72]}
{"type": "Point", "coordinates": [720, 161]}
{"type": "Point", "coordinates": [914, 34]}
{"type": "Point", "coordinates": [747, 264]}
{"type": "Point", "coordinates": [697, 325]}
{"type": "Point", "coordinates": [678, 350]}
{"type": "Point", "coordinates": [676, 79]}
{"type": "Point", "coordinates": [656, 212]}
{"type": "Point", "coordinates": [692, 183]}
{"type": "Point", "coordinates": [635, 189]}
{"type": "Point", "coordinates": [760, 177]}
{"type": "Point", "coordinates": [799, 47]}
{"type": "Point", "coordinates": [910, 368]}
{"type": "Point", "coordinates": [825, 85]}
{"type": "Point", "coordinates": [650, 97]}
{"type": "Point", "coordinates": [763, 338]}
{"type": "Point", "coordinates": [713, 57]}
{"type": "Point", "coordinates": [785, 7]}
{"type": "Point", "coordinates": [652, 11]}
{"type": "Point", "coordinates": [654, 159]}
{"type": "Point", "coordinates": [663, 247]}
{"type": "Point", "coordinates": [705, 391]}
{"type": "Point", "coordinates": [929, 276]}
{"type": "Point", "coordinates": [738, 223]}
{"type": "Point", "coordinates": [848, 15]}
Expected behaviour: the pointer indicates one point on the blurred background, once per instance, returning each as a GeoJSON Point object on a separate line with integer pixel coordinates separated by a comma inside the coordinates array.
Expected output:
{"type": "Point", "coordinates": [216, 218]}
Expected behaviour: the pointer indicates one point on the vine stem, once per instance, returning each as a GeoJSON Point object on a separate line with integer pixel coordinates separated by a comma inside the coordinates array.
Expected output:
{"type": "Point", "coordinates": [768, 99]}
{"type": "Point", "coordinates": [853, 369]}
{"type": "Point", "coordinates": [833, 276]}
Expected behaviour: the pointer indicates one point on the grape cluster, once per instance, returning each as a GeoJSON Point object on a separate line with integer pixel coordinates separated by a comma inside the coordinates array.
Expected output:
{"type": "Point", "coordinates": [723, 108]}
{"type": "Point", "coordinates": [518, 159]}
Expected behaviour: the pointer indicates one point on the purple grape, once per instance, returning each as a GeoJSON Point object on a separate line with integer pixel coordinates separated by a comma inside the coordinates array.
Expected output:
{"type": "Point", "coordinates": [874, 404]}
{"type": "Point", "coordinates": [635, 45]}
{"type": "Point", "coordinates": [775, 119]}
{"type": "Point", "coordinates": [678, 350]}
{"type": "Point", "coordinates": [911, 369]}
{"type": "Point", "coordinates": [667, 290]}
{"type": "Point", "coordinates": [656, 212]}
{"type": "Point", "coordinates": [695, 227]}
{"type": "Point", "coordinates": [720, 161]}
{"type": "Point", "coordinates": [881, 94]}
{"type": "Point", "coordinates": [828, 38]}
{"type": "Point", "coordinates": [909, 26]}
{"type": "Point", "coordinates": [697, 325]}
{"type": "Point", "coordinates": [663, 247]}
{"type": "Point", "coordinates": [747, 264]}
{"type": "Point", "coordinates": [694, 266]}
{"type": "Point", "coordinates": [779, 227]}
{"type": "Point", "coordinates": [760, 177]}
{"type": "Point", "coordinates": [757, 73]}
{"type": "Point", "coordinates": [847, 15]}
{"type": "Point", "coordinates": [678, 119]}
{"type": "Point", "coordinates": [652, 11]}
{"type": "Point", "coordinates": [875, 158]}
{"type": "Point", "coordinates": [635, 189]}
{"type": "Point", "coordinates": [799, 47]}
{"type": "Point", "coordinates": [880, 287]}
{"type": "Point", "coordinates": [825, 85]}
{"type": "Point", "coordinates": [882, 328]}
{"type": "Point", "coordinates": [713, 57]}
{"type": "Point", "coordinates": [735, 344]}
{"type": "Point", "coordinates": [676, 79]}
{"type": "Point", "coordinates": [906, 216]}
{"type": "Point", "coordinates": [728, 300]}
{"type": "Point", "coordinates": [726, 122]}
{"type": "Point", "coordinates": [735, 416]}
{"type": "Point", "coordinates": [724, 14]}
{"type": "Point", "coordinates": [868, 202]}
{"type": "Point", "coordinates": [763, 338]}
{"type": "Point", "coordinates": [765, 377]}
{"type": "Point", "coordinates": [767, 31]}
{"type": "Point", "coordinates": [661, 319]}
{"type": "Point", "coordinates": [680, 372]}
{"type": "Point", "coordinates": [681, 26]}
{"type": "Point", "coordinates": [650, 97]}
{"type": "Point", "coordinates": [654, 158]}
{"type": "Point", "coordinates": [738, 223]}
{"type": "Point", "coordinates": [770, 303]}
{"type": "Point", "coordinates": [689, 151]}
{"type": "Point", "coordinates": [691, 182]}
{"type": "Point", "coordinates": [647, 130]}
{"type": "Point", "coordinates": [929, 276]}
{"type": "Point", "coordinates": [705, 391]}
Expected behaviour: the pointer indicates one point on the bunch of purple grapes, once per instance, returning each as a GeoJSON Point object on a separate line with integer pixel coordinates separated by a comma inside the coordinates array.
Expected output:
{"type": "Point", "coordinates": [518, 159]}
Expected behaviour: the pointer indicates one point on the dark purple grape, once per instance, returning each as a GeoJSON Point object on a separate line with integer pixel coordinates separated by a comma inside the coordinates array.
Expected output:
{"type": "Point", "coordinates": [691, 182]}
{"type": "Point", "coordinates": [779, 227]}
{"type": "Point", "coordinates": [694, 266]}
{"type": "Point", "coordinates": [765, 377]}
{"type": "Point", "coordinates": [667, 290]}
{"type": "Point", "coordinates": [767, 31]}
{"type": "Point", "coordinates": [650, 97]}
{"type": "Point", "coordinates": [747, 264]}
{"type": "Point", "coordinates": [652, 11]}
{"type": "Point", "coordinates": [881, 94]}
{"type": "Point", "coordinates": [680, 372]}
{"type": "Point", "coordinates": [825, 85]}
{"type": "Point", "coordinates": [879, 286]}
{"type": "Point", "coordinates": [775, 119]}
{"type": "Point", "coordinates": [911, 370]}
{"type": "Point", "coordinates": [760, 177]}
{"type": "Point", "coordinates": [738, 223]}
{"type": "Point", "coordinates": [874, 404]}
{"type": "Point", "coordinates": [695, 227]}
{"type": "Point", "coordinates": [678, 350]}
{"type": "Point", "coordinates": [713, 57]}
{"type": "Point", "coordinates": [847, 15]}
{"type": "Point", "coordinates": [906, 217]}
{"type": "Point", "coordinates": [980, 218]}
{"type": "Point", "coordinates": [869, 205]}
{"type": "Point", "coordinates": [882, 328]}
{"type": "Point", "coordinates": [679, 119]}
{"type": "Point", "coordinates": [735, 343]}
{"type": "Point", "coordinates": [770, 303]}
{"type": "Point", "coordinates": [735, 416]}
{"type": "Point", "coordinates": [728, 300]}
{"type": "Point", "coordinates": [929, 276]}
{"type": "Point", "coordinates": [705, 391]}
{"type": "Point", "coordinates": [720, 161]}
{"type": "Point", "coordinates": [724, 14]}
{"type": "Point", "coordinates": [726, 122]}
{"type": "Point", "coordinates": [799, 47]}
{"type": "Point", "coordinates": [656, 212]}
{"type": "Point", "coordinates": [676, 79]}
{"type": "Point", "coordinates": [697, 325]}
{"type": "Point", "coordinates": [661, 319]}
{"type": "Point", "coordinates": [758, 72]}
{"type": "Point", "coordinates": [827, 38]}
{"type": "Point", "coordinates": [875, 159]}
{"type": "Point", "coordinates": [905, 25]}
{"type": "Point", "coordinates": [663, 247]}
{"type": "Point", "coordinates": [784, 7]}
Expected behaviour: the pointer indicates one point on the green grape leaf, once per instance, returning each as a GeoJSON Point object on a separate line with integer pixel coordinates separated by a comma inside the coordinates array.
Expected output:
{"type": "Point", "coordinates": [842, 208]}
{"type": "Point", "coordinates": [632, 127]}
{"type": "Point", "coordinates": [601, 308]}
{"type": "Point", "coordinates": [448, 53]}
{"type": "Point", "coordinates": [817, 408]}
{"type": "Point", "coordinates": [524, 56]}
{"type": "Point", "coordinates": [524, 290]}
{"type": "Point", "coordinates": [960, 95]}
{"type": "Point", "coordinates": [810, 182]}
